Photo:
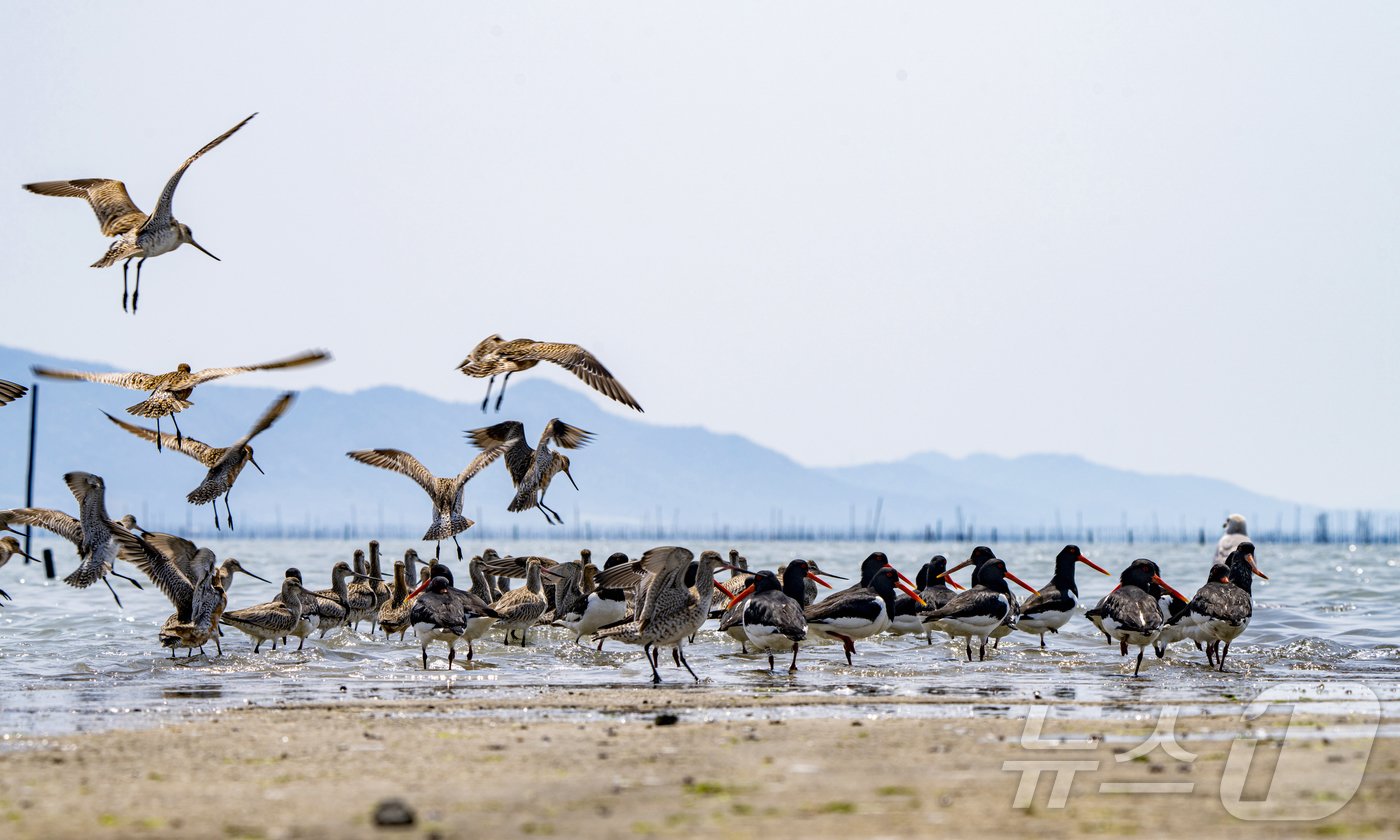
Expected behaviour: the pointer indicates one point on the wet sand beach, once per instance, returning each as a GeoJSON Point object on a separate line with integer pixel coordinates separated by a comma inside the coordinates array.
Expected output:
{"type": "Point", "coordinates": [614, 763]}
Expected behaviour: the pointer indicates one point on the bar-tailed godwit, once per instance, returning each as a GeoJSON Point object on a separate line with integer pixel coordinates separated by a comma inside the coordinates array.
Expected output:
{"type": "Point", "coordinates": [10, 391]}
{"type": "Point", "coordinates": [531, 470]}
{"type": "Point", "coordinates": [138, 235]}
{"type": "Point", "coordinates": [494, 355]}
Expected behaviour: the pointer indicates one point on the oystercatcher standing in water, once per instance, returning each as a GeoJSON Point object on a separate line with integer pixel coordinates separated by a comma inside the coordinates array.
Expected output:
{"type": "Point", "coordinates": [1222, 608]}
{"type": "Point", "coordinates": [1051, 608]}
{"type": "Point", "coordinates": [1130, 613]}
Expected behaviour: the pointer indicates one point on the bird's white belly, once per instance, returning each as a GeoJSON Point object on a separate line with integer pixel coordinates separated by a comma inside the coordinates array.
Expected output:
{"type": "Point", "coordinates": [1132, 637]}
{"type": "Point", "coordinates": [764, 637]}
{"type": "Point", "coordinates": [1044, 622]}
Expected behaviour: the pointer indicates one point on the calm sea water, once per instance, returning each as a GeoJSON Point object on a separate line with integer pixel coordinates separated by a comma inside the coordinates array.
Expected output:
{"type": "Point", "coordinates": [71, 661]}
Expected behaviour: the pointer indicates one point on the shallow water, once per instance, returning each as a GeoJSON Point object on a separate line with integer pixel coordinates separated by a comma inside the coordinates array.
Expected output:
{"type": "Point", "coordinates": [71, 661]}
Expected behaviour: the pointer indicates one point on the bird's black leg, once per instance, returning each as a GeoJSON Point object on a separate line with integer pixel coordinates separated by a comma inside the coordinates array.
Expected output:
{"type": "Point", "coordinates": [137, 292]}
{"type": "Point", "coordinates": [982, 651]}
{"type": "Point", "coordinates": [217, 646]}
{"type": "Point", "coordinates": [217, 526]}
{"type": "Point", "coordinates": [543, 513]}
{"type": "Point", "coordinates": [134, 582]}
{"type": "Point", "coordinates": [1138, 666]}
{"type": "Point", "coordinates": [451, 656]}
{"type": "Point", "coordinates": [113, 591]}
{"type": "Point", "coordinates": [1224, 653]}
{"type": "Point", "coordinates": [257, 645]}
{"type": "Point", "coordinates": [179, 437]}
{"type": "Point", "coordinates": [655, 676]}
{"type": "Point", "coordinates": [437, 553]}
{"type": "Point", "coordinates": [158, 446]}
{"type": "Point", "coordinates": [793, 667]}
{"type": "Point", "coordinates": [227, 509]}
{"type": "Point", "coordinates": [125, 265]}
{"type": "Point", "coordinates": [502, 394]}
{"type": "Point", "coordinates": [548, 510]}
{"type": "Point", "coordinates": [425, 657]}
{"type": "Point", "coordinates": [969, 648]}
{"type": "Point", "coordinates": [459, 546]}
{"type": "Point", "coordinates": [470, 651]}
{"type": "Point", "coordinates": [686, 663]}
{"type": "Point", "coordinates": [485, 401]}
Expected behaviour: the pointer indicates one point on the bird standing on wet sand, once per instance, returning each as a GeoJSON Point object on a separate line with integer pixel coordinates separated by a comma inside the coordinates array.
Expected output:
{"type": "Point", "coordinates": [860, 611]}
{"type": "Point", "coordinates": [10, 391]}
{"type": "Point", "coordinates": [224, 464]}
{"type": "Point", "coordinates": [979, 611]}
{"type": "Point", "coordinates": [519, 609]}
{"type": "Point", "coordinates": [437, 616]}
{"type": "Point", "coordinates": [495, 355]}
{"type": "Point", "coordinates": [272, 620]}
{"type": "Point", "coordinates": [91, 532]}
{"type": "Point", "coordinates": [1130, 613]}
{"type": "Point", "coordinates": [664, 608]}
{"type": "Point", "coordinates": [1221, 610]}
{"type": "Point", "coordinates": [170, 392]}
{"type": "Point", "coordinates": [981, 555]}
{"type": "Point", "coordinates": [933, 588]}
{"type": "Point", "coordinates": [446, 493]}
{"type": "Point", "coordinates": [1053, 605]}
{"type": "Point", "coordinates": [531, 470]}
{"type": "Point", "coordinates": [139, 235]}
{"type": "Point", "coordinates": [773, 617]}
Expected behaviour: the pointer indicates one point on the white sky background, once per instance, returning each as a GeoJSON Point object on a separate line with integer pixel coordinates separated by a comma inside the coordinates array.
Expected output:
{"type": "Point", "coordinates": [1161, 236]}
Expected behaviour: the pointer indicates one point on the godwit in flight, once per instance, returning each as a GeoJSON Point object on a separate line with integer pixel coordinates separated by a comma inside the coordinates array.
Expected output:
{"type": "Point", "coordinates": [170, 392]}
{"type": "Point", "coordinates": [446, 493]}
{"type": "Point", "coordinates": [139, 235]}
{"type": "Point", "coordinates": [224, 464]}
{"type": "Point", "coordinates": [495, 355]}
{"type": "Point", "coordinates": [531, 470]}
{"type": "Point", "coordinates": [9, 391]}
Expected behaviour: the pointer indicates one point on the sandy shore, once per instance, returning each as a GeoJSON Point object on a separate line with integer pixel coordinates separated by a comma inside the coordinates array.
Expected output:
{"type": "Point", "coordinates": [597, 764]}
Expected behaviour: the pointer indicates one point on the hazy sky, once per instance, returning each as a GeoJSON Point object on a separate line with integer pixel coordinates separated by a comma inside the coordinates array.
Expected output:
{"type": "Point", "coordinates": [1163, 236]}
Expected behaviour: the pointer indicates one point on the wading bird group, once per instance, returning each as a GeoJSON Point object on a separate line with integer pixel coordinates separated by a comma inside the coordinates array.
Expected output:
{"type": "Point", "coordinates": [659, 601]}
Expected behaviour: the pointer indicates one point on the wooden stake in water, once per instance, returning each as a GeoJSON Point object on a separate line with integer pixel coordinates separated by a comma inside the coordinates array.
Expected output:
{"type": "Point", "coordinates": [29, 477]}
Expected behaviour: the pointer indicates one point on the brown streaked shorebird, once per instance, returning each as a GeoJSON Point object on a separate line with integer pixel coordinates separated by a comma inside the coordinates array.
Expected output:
{"type": "Point", "coordinates": [138, 235]}
{"type": "Point", "coordinates": [224, 463]}
{"type": "Point", "coordinates": [531, 470]}
{"type": "Point", "coordinates": [519, 609]}
{"type": "Point", "coordinates": [331, 605]}
{"type": "Point", "coordinates": [446, 493]}
{"type": "Point", "coordinates": [363, 602]}
{"type": "Point", "coordinates": [170, 392]}
{"type": "Point", "coordinates": [272, 620]}
{"type": "Point", "coordinates": [393, 615]}
{"type": "Point", "coordinates": [91, 532]}
{"type": "Point", "coordinates": [11, 391]}
{"type": "Point", "coordinates": [494, 355]}
{"type": "Point", "coordinates": [9, 547]}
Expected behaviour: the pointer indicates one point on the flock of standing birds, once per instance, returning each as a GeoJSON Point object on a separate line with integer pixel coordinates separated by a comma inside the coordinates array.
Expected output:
{"type": "Point", "coordinates": [658, 601]}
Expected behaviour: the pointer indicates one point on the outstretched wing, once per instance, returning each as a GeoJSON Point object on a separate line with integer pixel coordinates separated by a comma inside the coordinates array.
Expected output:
{"type": "Point", "coordinates": [306, 358]}
{"type": "Point", "coordinates": [180, 550]}
{"type": "Point", "coordinates": [582, 364]}
{"type": "Point", "coordinates": [10, 391]}
{"type": "Point", "coordinates": [519, 457]}
{"type": "Point", "coordinates": [481, 462]}
{"type": "Point", "coordinates": [198, 450]}
{"type": "Point", "coordinates": [54, 521]}
{"type": "Point", "coordinates": [569, 437]}
{"type": "Point", "coordinates": [159, 567]}
{"type": "Point", "coordinates": [161, 215]}
{"type": "Point", "coordinates": [274, 411]}
{"type": "Point", "coordinates": [116, 212]}
{"type": "Point", "coordinates": [133, 381]}
{"type": "Point", "coordinates": [399, 461]}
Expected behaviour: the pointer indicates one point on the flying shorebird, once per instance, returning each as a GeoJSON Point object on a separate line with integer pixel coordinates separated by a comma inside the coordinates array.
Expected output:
{"type": "Point", "coordinates": [170, 392]}
{"type": "Point", "coordinates": [446, 493]}
{"type": "Point", "coordinates": [91, 532]}
{"type": "Point", "coordinates": [9, 392]}
{"type": "Point", "coordinates": [224, 463]}
{"type": "Point", "coordinates": [139, 235]}
{"type": "Point", "coordinates": [9, 547]}
{"type": "Point", "coordinates": [531, 470]}
{"type": "Point", "coordinates": [496, 355]}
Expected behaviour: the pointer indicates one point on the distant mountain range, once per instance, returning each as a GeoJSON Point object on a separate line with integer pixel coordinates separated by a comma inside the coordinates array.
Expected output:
{"type": "Point", "coordinates": [635, 475]}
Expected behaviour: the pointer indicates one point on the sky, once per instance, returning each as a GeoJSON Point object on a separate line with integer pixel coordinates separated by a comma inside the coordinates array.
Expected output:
{"type": "Point", "coordinates": [1161, 236]}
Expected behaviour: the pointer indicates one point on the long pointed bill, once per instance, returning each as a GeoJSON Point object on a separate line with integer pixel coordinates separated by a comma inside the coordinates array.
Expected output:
{"type": "Point", "coordinates": [818, 580]}
{"type": "Point", "coordinates": [255, 464]}
{"type": "Point", "coordinates": [911, 593]}
{"type": "Point", "coordinates": [1172, 592]}
{"type": "Point", "coordinates": [251, 575]}
{"type": "Point", "coordinates": [206, 253]}
{"type": "Point", "coordinates": [421, 587]}
{"type": "Point", "coordinates": [723, 565]}
{"type": "Point", "coordinates": [550, 572]}
{"type": "Point", "coordinates": [744, 593]}
{"type": "Point", "coordinates": [1095, 566]}
{"type": "Point", "coordinates": [900, 575]}
{"type": "Point", "coordinates": [955, 568]}
{"type": "Point", "coordinates": [571, 479]}
{"type": "Point", "coordinates": [1021, 583]}
{"type": "Point", "coordinates": [958, 586]}
{"type": "Point", "coordinates": [1249, 558]}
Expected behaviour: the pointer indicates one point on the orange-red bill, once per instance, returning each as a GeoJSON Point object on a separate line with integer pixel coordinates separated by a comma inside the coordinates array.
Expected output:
{"type": "Point", "coordinates": [911, 593]}
{"type": "Point", "coordinates": [734, 599]}
{"type": "Point", "coordinates": [958, 586]}
{"type": "Point", "coordinates": [1177, 595]}
{"type": "Point", "coordinates": [1021, 583]}
{"type": "Point", "coordinates": [900, 575]}
{"type": "Point", "coordinates": [818, 580]}
{"type": "Point", "coordinates": [1249, 558]}
{"type": "Point", "coordinates": [955, 568]}
{"type": "Point", "coordinates": [1095, 566]}
{"type": "Point", "coordinates": [421, 587]}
